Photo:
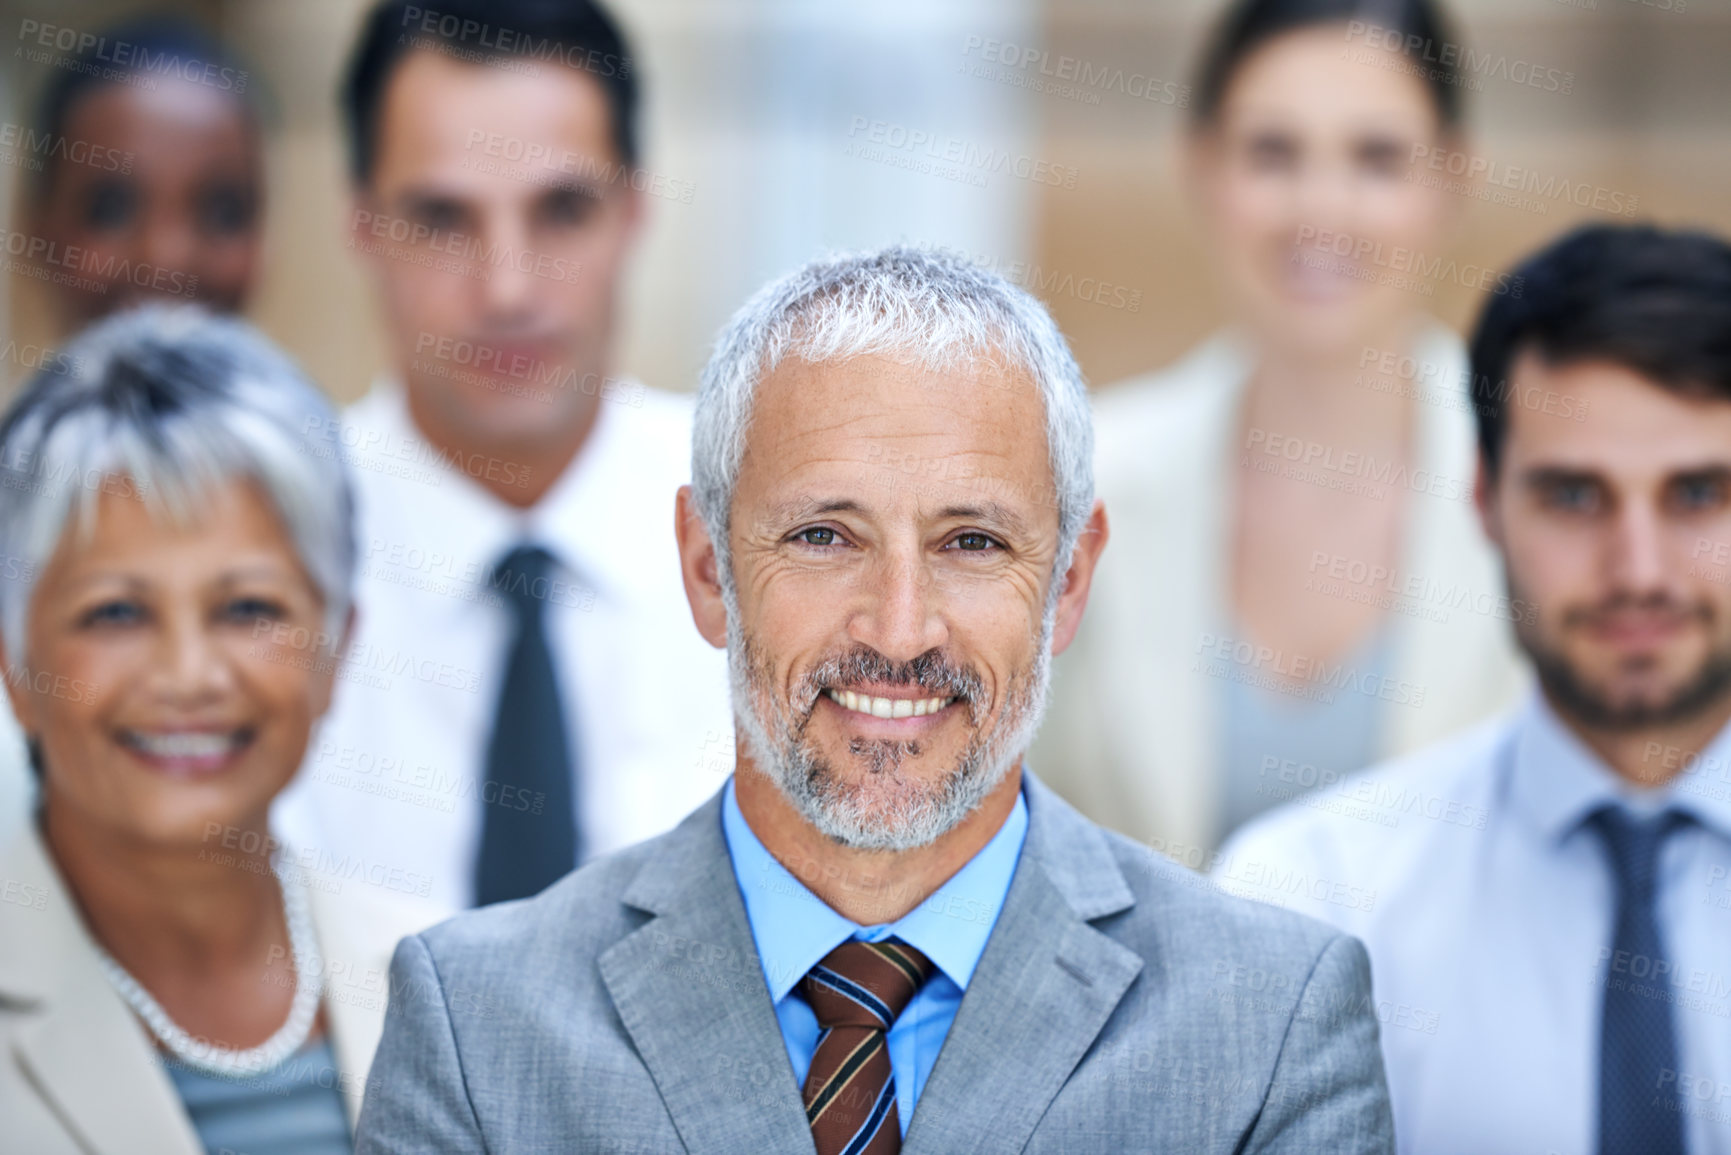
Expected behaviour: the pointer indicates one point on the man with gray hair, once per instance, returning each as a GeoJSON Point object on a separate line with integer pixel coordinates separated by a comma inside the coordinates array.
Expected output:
{"type": "Point", "coordinates": [883, 929]}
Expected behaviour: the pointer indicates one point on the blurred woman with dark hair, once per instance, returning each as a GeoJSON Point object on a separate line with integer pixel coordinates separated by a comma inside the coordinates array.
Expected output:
{"type": "Point", "coordinates": [1297, 585]}
{"type": "Point", "coordinates": [179, 533]}
{"type": "Point", "coordinates": [152, 181]}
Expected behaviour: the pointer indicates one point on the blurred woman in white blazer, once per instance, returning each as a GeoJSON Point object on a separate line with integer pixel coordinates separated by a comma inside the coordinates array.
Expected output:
{"type": "Point", "coordinates": [177, 545]}
{"type": "Point", "coordinates": [1296, 584]}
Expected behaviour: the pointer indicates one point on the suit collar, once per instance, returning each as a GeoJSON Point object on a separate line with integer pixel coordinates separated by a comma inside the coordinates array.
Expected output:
{"type": "Point", "coordinates": [354, 1025]}
{"type": "Point", "coordinates": [682, 863]}
{"type": "Point", "coordinates": [1043, 991]}
{"type": "Point", "coordinates": [80, 1042]}
{"type": "Point", "coordinates": [1071, 850]}
{"type": "Point", "coordinates": [1160, 583]}
{"type": "Point", "coordinates": [794, 928]}
{"type": "Point", "coordinates": [47, 962]}
{"type": "Point", "coordinates": [39, 926]}
{"type": "Point", "coordinates": [690, 991]}
{"type": "Point", "coordinates": [358, 931]}
{"type": "Point", "coordinates": [1073, 853]}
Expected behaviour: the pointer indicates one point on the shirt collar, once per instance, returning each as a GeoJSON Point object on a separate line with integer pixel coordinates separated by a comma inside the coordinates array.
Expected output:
{"type": "Point", "coordinates": [577, 519]}
{"type": "Point", "coordinates": [1558, 780]}
{"type": "Point", "coordinates": [793, 928]}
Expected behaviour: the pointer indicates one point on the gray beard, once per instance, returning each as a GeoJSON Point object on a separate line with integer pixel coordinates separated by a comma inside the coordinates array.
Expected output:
{"type": "Point", "coordinates": [887, 811]}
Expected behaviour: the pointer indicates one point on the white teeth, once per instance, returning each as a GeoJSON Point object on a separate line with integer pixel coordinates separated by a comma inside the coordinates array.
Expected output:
{"type": "Point", "coordinates": [888, 707]}
{"type": "Point", "coordinates": [184, 744]}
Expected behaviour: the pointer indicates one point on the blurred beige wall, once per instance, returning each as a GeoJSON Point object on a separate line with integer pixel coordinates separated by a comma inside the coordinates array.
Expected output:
{"type": "Point", "coordinates": [1646, 117]}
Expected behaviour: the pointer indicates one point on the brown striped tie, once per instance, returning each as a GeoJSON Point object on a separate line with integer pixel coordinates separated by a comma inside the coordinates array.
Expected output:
{"type": "Point", "coordinates": [850, 1092]}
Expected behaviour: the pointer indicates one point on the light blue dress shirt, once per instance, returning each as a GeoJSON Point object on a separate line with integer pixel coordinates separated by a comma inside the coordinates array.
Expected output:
{"type": "Point", "coordinates": [1487, 905]}
{"type": "Point", "coordinates": [793, 930]}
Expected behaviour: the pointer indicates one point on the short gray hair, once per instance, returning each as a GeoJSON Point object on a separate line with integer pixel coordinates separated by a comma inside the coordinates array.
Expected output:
{"type": "Point", "coordinates": [178, 401]}
{"type": "Point", "coordinates": [935, 307]}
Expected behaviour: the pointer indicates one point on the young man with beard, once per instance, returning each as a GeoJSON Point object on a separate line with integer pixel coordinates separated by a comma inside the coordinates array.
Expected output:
{"type": "Point", "coordinates": [1545, 898]}
{"type": "Point", "coordinates": [883, 927]}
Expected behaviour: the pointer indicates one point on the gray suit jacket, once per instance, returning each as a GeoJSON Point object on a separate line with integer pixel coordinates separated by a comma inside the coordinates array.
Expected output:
{"type": "Point", "coordinates": [1122, 1004]}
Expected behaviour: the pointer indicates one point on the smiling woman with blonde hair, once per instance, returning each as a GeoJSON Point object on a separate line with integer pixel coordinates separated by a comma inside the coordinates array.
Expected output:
{"type": "Point", "coordinates": [178, 534]}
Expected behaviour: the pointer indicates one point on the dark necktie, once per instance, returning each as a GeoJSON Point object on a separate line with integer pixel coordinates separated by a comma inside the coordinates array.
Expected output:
{"type": "Point", "coordinates": [1637, 1041]}
{"type": "Point", "coordinates": [528, 824]}
{"type": "Point", "coordinates": [850, 1091]}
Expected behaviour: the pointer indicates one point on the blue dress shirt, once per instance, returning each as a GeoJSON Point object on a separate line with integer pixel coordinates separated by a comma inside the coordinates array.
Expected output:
{"type": "Point", "coordinates": [793, 929]}
{"type": "Point", "coordinates": [1486, 901]}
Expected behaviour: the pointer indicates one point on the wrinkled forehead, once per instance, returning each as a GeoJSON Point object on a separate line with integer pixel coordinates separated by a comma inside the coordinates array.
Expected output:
{"type": "Point", "coordinates": [891, 429]}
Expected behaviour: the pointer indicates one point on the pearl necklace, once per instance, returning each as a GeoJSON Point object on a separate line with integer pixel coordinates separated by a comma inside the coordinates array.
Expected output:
{"type": "Point", "coordinates": [225, 1062]}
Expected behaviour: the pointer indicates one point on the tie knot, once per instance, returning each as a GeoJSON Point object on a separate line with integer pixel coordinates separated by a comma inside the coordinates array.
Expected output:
{"type": "Point", "coordinates": [1633, 844]}
{"type": "Point", "coordinates": [521, 576]}
{"type": "Point", "coordinates": [865, 984]}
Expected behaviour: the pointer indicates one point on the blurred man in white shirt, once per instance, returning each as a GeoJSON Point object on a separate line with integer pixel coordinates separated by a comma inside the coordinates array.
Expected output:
{"type": "Point", "coordinates": [1545, 898]}
{"type": "Point", "coordinates": [526, 689]}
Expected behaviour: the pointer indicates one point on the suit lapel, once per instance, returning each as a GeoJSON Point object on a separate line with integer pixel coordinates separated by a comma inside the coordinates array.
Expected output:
{"type": "Point", "coordinates": [91, 1062]}
{"type": "Point", "coordinates": [357, 933]}
{"type": "Point", "coordinates": [80, 1044]}
{"type": "Point", "coordinates": [1167, 581]}
{"type": "Point", "coordinates": [355, 1025]}
{"type": "Point", "coordinates": [690, 990]}
{"type": "Point", "coordinates": [1469, 663]}
{"type": "Point", "coordinates": [1044, 988]}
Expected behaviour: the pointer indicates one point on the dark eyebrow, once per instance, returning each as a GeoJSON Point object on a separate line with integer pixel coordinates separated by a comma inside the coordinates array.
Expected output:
{"type": "Point", "coordinates": [419, 197]}
{"type": "Point", "coordinates": [565, 184]}
{"type": "Point", "coordinates": [1715, 472]}
{"type": "Point", "coordinates": [1564, 474]}
{"type": "Point", "coordinates": [1379, 140]}
{"type": "Point", "coordinates": [1541, 475]}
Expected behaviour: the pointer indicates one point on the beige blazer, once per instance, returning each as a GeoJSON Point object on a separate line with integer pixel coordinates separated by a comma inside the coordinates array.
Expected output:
{"type": "Point", "coordinates": [78, 1071]}
{"type": "Point", "coordinates": [1132, 737]}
